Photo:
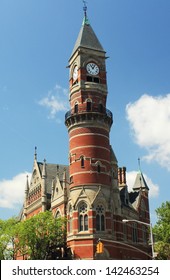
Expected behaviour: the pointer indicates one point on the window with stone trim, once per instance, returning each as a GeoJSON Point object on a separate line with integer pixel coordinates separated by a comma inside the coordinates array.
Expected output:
{"type": "Point", "coordinates": [100, 218]}
{"type": "Point", "coordinates": [83, 217]}
{"type": "Point", "coordinates": [70, 221]}
{"type": "Point", "coordinates": [134, 233]}
{"type": "Point", "coordinates": [58, 214]}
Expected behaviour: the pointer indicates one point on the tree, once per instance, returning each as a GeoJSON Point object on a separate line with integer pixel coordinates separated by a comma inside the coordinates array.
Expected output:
{"type": "Point", "coordinates": [7, 236]}
{"type": "Point", "coordinates": [41, 237]}
{"type": "Point", "coordinates": [162, 231]}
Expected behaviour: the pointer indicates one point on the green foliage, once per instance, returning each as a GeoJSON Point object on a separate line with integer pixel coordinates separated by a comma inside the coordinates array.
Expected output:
{"type": "Point", "coordinates": [7, 235]}
{"type": "Point", "coordinates": [37, 238]}
{"type": "Point", "coordinates": [162, 231]}
{"type": "Point", "coordinates": [41, 237]}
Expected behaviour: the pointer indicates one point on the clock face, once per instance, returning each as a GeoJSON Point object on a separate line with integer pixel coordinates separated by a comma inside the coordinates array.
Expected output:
{"type": "Point", "coordinates": [92, 68]}
{"type": "Point", "coordinates": [75, 73]}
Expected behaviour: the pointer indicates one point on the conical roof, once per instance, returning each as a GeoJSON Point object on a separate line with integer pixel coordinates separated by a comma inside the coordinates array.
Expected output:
{"type": "Point", "coordinates": [87, 38]}
{"type": "Point", "coordinates": [140, 182]}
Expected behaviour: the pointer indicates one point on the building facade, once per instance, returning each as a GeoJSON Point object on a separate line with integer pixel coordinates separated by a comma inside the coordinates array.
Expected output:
{"type": "Point", "coordinates": [91, 191]}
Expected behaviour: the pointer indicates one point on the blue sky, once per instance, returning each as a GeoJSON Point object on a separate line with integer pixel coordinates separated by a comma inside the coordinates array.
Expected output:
{"type": "Point", "coordinates": [37, 38]}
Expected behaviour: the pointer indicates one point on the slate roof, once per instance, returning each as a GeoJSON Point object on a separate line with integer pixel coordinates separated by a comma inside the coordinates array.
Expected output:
{"type": "Point", "coordinates": [52, 170]}
{"type": "Point", "coordinates": [140, 182]}
{"type": "Point", "coordinates": [87, 38]}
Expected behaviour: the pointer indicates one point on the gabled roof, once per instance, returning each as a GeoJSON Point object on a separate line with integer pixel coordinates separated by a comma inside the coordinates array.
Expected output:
{"type": "Point", "coordinates": [140, 182]}
{"type": "Point", "coordinates": [87, 38]}
{"type": "Point", "coordinates": [51, 171]}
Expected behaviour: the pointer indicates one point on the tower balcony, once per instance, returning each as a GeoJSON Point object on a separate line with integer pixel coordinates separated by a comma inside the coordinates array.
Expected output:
{"type": "Point", "coordinates": [94, 117]}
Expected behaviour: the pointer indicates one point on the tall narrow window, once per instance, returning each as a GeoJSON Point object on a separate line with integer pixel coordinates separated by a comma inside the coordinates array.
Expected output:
{"type": "Point", "coordinates": [124, 231]}
{"type": "Point", "coordinates": [101, 108]}
{"type": "Point", "coordinates": [58, 214]}
{"type": "Point", "coordinates": [98, 168]}
{"type": "Point", "coordinates": [76, 108]}
{"type": "Point", "coordinates": [89, 105]}
{"type": "Point", "coordinates": [70, 221]}
{"type": "Point", "coordinates": [134, 233]}
{"type": "Point", "coordinates": [83, 217]}
{"type": "Point", "coordinates": [143, 209]}
{"type": "Point", "coordinates": [100, 218]}
{"type": "Point", "coordinates": [144, 234]}
{"type": "Point", "coordinates": [82, 162]}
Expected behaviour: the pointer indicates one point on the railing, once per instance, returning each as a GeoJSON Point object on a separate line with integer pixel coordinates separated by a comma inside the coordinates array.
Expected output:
{"type": "Point", "coordinates": [106, 111]}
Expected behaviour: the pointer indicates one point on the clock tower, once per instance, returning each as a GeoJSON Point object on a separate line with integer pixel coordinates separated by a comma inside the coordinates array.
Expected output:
{"type": "Point", "coordinates": [92, 162]}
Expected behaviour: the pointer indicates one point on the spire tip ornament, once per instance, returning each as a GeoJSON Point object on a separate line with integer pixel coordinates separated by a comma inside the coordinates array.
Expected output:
{"type": "Point", "coordinates": [85, 21]}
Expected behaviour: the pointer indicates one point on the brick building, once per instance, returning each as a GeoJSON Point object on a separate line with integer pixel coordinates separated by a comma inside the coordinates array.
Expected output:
{"type": "Point", "coordinates": [91, 191]}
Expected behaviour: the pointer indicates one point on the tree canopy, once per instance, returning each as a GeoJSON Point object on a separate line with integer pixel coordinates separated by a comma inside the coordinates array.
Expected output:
{"type": "Point", "coordinates": [162, 231]}
{"type": "Point", "coordinates": [37, 238]}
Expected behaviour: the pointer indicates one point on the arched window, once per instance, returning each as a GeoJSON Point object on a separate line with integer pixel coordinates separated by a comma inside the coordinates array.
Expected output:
{"type": "Point", "coordinates": [89, 105]}
{"type": "Point", "coordinates": [83, 217]}
{"type": "Point", "coordinates": [100, 218]}
{"type": "Point", "coordinates": [98, 168]}
{"type": "Point", "coordinates": [76, 107]}
{"type": "Point", "coordinates": [98, 164]}
{"type": "Point", "coordinates": [82, 161]}
{"type": "Point", "coordinates": [58, 214]}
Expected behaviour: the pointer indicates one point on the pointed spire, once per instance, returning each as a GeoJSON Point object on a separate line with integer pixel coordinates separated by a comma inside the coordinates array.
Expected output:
{"type": "Point", "coordinates": [87, 37]}
{"type": "Point", "coordinates": [44, 169]}
{"type": "Point", "coordinates": [27, 186]}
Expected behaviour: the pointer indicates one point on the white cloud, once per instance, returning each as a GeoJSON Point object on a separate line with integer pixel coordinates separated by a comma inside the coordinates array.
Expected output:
{"type": "Point", "coordinates": [56, 101]}
{"type": "Point", "coordinates": [12, 191]}
{"type": "Point", "coordinates": [153, 188]}
{"type": "Point", "coordinates": [149, 119]}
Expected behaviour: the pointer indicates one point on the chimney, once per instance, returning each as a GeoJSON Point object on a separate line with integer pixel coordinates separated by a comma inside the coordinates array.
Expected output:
{"type": "Point", "coordinates": [122, 175]}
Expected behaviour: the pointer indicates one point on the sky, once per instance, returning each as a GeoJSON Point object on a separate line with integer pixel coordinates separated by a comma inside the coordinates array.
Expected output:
{"type": "Point", "coordinates": [36, 42]}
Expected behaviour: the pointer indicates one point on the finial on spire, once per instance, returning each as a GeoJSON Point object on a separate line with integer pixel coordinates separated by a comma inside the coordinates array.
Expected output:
{"type": "Point", "coordinates": [35, 153]}
{"type": "Point", "coordinates": [139, 164]}
{"type": "Point", "coordinates": [85, 7]}
{"type": "Point", "coordinates": [85, 21]}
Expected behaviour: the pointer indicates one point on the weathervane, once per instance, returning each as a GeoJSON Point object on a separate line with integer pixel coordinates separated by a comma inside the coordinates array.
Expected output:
{"type": "Point", "coordinates": [85, 7]}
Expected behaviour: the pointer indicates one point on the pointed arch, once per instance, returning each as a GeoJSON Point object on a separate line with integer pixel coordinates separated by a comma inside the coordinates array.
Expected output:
{"type": "Point", "coordinates": [88, 105]}
{"type": "Point", "coordinates": [82, 161]}
{"type": "Point", "coordinates": [76, 107]}
{"type": "Point", "coordinates": [83, 216]}
{"type": "Point", "coordinates": [57, 214]}
{"type": "Point", "coordinates": [100, 217]}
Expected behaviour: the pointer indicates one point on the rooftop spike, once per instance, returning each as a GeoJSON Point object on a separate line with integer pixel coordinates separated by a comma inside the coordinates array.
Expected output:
{"type": "Point", "coordinates": [85, 21]}
{"type": "Point", "coordinates": [139, 165]}
{"type": "Point", "coordinates": [35, 153]}
{"type": "Point", "coordinates": [85, 8]}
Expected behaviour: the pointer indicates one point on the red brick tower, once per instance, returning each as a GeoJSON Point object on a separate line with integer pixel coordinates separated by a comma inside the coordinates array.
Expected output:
{"type": "Point", "coordinates": [88, 123]}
